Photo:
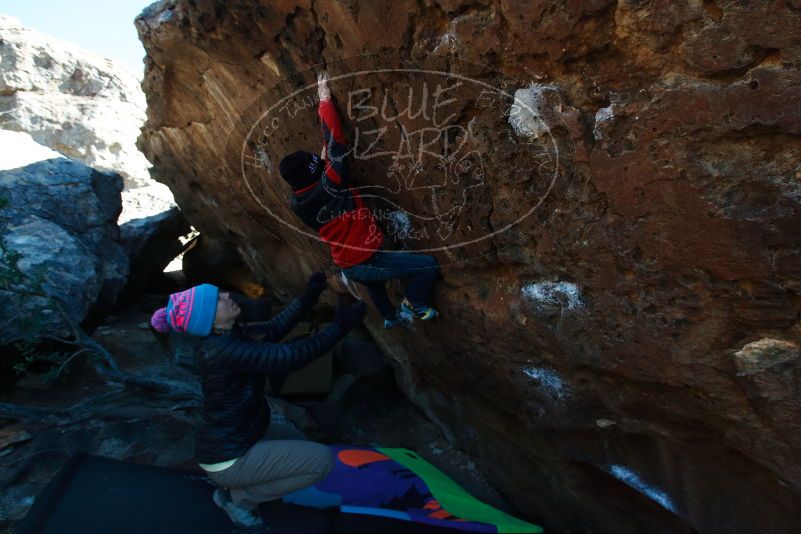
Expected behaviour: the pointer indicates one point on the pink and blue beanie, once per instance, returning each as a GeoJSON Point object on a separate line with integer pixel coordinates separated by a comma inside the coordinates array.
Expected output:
{"type": "Point", "coordinates": [191, 311]}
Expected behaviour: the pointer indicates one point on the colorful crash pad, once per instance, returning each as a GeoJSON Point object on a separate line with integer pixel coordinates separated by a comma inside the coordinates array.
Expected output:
{"type": "Point", "coordinates": [399, 484]}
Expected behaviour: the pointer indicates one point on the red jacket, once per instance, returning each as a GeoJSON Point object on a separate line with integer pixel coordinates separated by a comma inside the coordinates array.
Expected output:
{"type": "Point", "coordinates": [332, 207]}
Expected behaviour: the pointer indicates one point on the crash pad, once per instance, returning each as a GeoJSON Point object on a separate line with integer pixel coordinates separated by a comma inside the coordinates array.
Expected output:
{"type": "Point", "coordinates": [399, 484]}
{"type": "Point", "coordinates": [370, 490]}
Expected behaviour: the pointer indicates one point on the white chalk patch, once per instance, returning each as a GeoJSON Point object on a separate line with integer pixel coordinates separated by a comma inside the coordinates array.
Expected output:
{"type": "Point", "coordinates": [526, 113]}
{"type": "Point", "coordinates": [601, 116]}
{"type": "Point", "coordinates": [165, 16]}
{"type": "Point", "coordinates": [399, 224]}
{"type": "Point", "coordinates": [553, 293]}
{"type": "Point", "coordinates": [633, 480]}
{"type": "Point", "coordinates": [448, 41]}
{"type": "Point", "coordinates": [548, 380]}
{"type": "Point", "coordinates": [263, 158]}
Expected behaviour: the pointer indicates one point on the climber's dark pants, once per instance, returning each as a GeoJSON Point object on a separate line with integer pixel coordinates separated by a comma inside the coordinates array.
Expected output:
{"type": "Point", "coordinates": [419, 269]}
{"type": "Point", "coordinates": [281, 463]}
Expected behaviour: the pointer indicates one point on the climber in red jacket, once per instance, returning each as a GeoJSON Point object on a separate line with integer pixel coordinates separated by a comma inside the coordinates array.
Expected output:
{"type": "Point", "coordinates": [324, 199]}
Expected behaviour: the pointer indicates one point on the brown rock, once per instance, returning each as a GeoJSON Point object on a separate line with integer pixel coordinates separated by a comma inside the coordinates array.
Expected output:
{"type": "Point", "coordinates": [605, 269]}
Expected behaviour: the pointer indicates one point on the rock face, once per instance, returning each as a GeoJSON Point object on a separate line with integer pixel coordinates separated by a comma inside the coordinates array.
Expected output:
{"type": "Point", "coordinates": [612, 189]}
{"type": "Point", "coordinates": [151, 243]}
{"type": "Point", "coordinates": [61, 216]}
{"type": "Point", "coordinates": [84, 106]}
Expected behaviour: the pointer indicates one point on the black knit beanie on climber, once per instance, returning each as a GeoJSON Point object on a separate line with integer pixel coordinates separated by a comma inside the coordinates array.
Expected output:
{"type": "Point", "coordinates": [301, 169]}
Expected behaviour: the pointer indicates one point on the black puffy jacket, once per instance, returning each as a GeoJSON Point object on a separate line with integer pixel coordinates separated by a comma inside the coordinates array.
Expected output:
{"type": "Point", "coordinates": [233, 369]}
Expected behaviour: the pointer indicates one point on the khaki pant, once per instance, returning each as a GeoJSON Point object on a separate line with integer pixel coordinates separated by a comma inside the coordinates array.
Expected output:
{"type": "Point", "coordinates": [283, 462]}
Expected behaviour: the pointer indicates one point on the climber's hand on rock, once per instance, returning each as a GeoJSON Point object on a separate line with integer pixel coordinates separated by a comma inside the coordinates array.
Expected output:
{"type": "Point", "coordinates": [322, 86]}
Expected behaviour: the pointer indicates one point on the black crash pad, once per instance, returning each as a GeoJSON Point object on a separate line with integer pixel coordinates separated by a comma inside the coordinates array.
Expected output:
{"type": "Point", "coordinates": [91, 494]}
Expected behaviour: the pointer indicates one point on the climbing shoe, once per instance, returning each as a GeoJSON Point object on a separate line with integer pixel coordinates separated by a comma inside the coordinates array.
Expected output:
{"type": "Point", "coordinates": [424, 313]}
{"type": "Point", "coordinates": [249, 520]}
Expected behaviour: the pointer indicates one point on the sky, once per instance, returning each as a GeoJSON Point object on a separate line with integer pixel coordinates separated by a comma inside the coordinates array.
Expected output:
{"type": "Point", "coordinates": [104, 27]}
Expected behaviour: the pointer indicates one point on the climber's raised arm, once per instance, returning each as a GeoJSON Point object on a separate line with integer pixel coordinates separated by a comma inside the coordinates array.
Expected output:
{"type": "Point", "coordinates": [335, 149]}
{"type": "Point", "coordinates": [238, 354]}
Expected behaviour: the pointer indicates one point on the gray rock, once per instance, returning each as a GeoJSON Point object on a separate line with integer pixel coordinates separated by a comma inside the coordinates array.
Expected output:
{"type": "Point", "coordinates": [85, 106]}
{"type": "Point", "coordinates": [137, 233]}
{"type": "Point", "coordinates": [62, 217]}
{"type": "Point", "coordinates": [151, 243]}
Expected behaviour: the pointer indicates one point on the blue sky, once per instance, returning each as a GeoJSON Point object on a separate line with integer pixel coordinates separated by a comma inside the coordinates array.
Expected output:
{"type": "Point", "coordinates": [103, 26]}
